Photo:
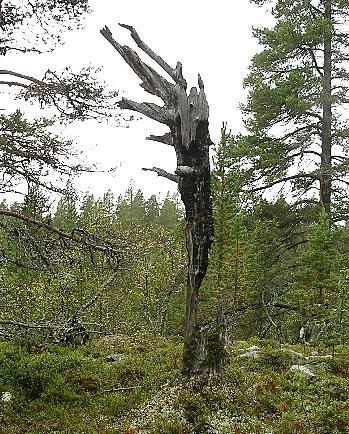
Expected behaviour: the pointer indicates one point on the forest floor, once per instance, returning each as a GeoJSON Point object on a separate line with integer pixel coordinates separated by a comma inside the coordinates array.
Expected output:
{"type": "Point", "coordinates": [125, 385]}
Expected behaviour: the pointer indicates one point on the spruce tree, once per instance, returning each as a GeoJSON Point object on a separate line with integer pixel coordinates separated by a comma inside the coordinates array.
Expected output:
{"type": "Point", "coordinates": [66, 215]}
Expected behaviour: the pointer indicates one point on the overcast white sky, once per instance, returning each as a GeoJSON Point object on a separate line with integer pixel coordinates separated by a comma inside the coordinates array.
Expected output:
{"type": "Point", "coordinates": [212, 38]}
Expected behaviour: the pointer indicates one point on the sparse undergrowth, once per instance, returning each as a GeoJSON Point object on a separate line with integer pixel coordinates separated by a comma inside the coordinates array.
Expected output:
{"type": "Point", "coordinates": [60, 390]}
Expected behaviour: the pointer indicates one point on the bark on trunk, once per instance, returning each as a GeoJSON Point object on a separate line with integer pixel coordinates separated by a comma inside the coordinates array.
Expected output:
{"type": "Point", "coordinates": [186, 115]}
{"type": "Point", "coordinates": [326, 151]}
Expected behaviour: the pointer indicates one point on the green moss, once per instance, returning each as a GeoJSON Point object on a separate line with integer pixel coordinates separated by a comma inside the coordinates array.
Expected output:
{"type": "Point", "coordinates": [169, 427]}
{"type": "Point", "coordinates": [340, 366]}
{"type": "Point", "coordinates": [63, 390]}
{"type": "Point", "coordinates": [277, 359]}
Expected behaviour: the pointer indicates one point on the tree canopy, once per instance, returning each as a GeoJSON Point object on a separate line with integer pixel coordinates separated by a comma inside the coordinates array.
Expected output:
{"type": "Point", "coordinates": [295, 111]}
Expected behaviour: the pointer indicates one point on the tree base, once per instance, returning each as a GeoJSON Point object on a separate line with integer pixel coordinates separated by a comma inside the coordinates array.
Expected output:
{"type": "Point", "coordinates": [206, 351]}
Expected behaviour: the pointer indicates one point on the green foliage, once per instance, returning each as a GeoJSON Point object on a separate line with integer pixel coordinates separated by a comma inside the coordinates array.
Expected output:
{"type": "Point", "coordinates": [320, 264]}
{"type": "Point", "coordinates": [79, 391]}
{"type": "Point", "coordinates": [56, 278]}
{"type": "Point", "coordinates": [271, 252]}
{"type": "Point", "coordinates": [289, 96]}
{"type": "Point", "coordinates": [228, 259]}
{"type": "Point", "coordinates": [30, 152]}
{"type": "Point", "coordinates": [66, 215]}
{"type": "Point", "coordinates": [78, 386]}
{"type": "Point", "coordinates": [340, 366]}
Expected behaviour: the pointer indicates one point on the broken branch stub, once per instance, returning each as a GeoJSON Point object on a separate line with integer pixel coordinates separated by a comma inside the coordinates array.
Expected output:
{"type": "Point", "coordinates": [186, 115]}
{"type": "Point", "coordinates": [162, 173]}
{"type": "Point", "coordinates": [167, 139]}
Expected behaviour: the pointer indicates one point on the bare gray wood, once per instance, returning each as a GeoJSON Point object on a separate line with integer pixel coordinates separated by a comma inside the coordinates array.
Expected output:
{"type": "Point", "coordinates": [163, 173]}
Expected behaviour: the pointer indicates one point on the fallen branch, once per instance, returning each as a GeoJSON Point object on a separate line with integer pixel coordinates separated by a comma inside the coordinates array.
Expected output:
{"type": "Point", "coordinates": [76, 235]}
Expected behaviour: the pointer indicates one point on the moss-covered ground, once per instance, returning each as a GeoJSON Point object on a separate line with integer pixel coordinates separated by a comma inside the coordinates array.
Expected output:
{"type": "Point", "coordinates": [53, 389]}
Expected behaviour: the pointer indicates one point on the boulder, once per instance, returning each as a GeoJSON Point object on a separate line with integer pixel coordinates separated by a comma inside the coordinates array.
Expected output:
{"type": "Point", "coordinates": [304, 370]}
{"type": "Point", "coordinates": [116, 358]}
{"type": "Point", "coordinates": [251, 353]}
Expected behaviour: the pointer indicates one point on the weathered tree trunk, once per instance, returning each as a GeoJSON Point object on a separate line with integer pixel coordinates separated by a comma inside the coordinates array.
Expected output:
{"type": "Point", "coordinates": [187, 118]}
{"type": "Point", "coordinates": [326, 151]}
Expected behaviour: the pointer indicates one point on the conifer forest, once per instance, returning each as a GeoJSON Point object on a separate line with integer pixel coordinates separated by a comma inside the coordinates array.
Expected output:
{"type": "Point", "coordinates": [222, 308]}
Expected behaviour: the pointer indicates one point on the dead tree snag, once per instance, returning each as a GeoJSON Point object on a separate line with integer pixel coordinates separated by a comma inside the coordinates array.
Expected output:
{"type": "Point", "coordinates": [186, 115]}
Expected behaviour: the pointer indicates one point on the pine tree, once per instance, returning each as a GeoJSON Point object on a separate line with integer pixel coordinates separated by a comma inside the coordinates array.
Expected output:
{"type": "Point", "coordinates": [228, 255]}
{"type": "Point", "coordinates": [297, 91]}
{"type": "Point", "coordinates": [138, 207]}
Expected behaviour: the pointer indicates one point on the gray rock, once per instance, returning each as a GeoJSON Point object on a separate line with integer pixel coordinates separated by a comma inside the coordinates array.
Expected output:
{"type": "Point", "coordinates": [251, 353]}
{"type": "Point", "coordinates": [335, 391]}
{"type": "Point", "coordinates": [116, 358]}
{"type": "Point", "coordinates": [6, 397]}
{"type": "Point", "coordinates": [320, 358]}
{"type": "Point", "coordinates": [319, 367]}
{"type": "Point", "coordinates": [319, 363]}
{"type": "Point", "coordinates": [304, 370]}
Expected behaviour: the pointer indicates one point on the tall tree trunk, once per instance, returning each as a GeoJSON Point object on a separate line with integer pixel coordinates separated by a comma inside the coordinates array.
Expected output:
{"type": "Point", "coordinates": [195, 190]}
{"type": "Point", "coordinates": [186, 115]}
{"type": "Point", "coordinates": [326, 151]}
